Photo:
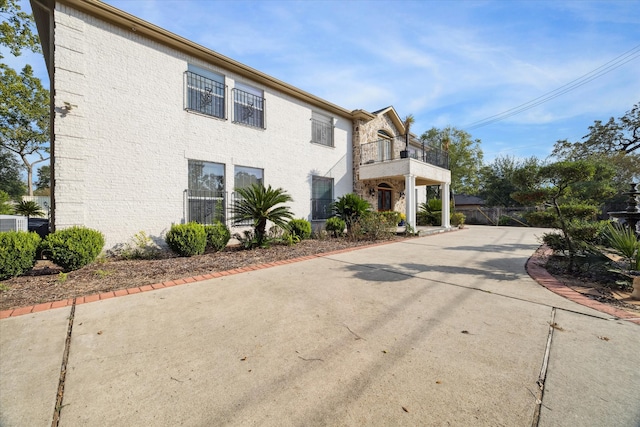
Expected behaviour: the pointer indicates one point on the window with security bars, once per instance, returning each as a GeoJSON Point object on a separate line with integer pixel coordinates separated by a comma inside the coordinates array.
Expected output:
{"type": "Point", "coordinates": [321, 197]}
{"type": "Point", "coordinates": [206, 198]}
{"type": "Point", "coordinates": [248, 106]}
{"type": "Point", "coordinates": [321, 129]}
{"type": "Point", "coordinates": [204, 95]}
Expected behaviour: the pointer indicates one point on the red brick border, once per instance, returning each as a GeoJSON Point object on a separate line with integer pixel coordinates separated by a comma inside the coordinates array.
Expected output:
{"type": "Point", "coordinates": [543, 277]}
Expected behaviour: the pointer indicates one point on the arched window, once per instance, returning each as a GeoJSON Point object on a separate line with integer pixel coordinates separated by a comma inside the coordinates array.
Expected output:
{"type": "Point", "coordinates": [385, 146]}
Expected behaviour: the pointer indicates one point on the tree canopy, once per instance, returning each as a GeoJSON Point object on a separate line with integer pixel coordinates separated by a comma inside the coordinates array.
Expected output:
{"type": "Point", "coordinates": [465, 157]}
{"type": "Point", "coordinates": [10, 180]}
{"type": "Point", "coordinates": [24, 117]}
{"type": "Point", "coordinates": [498, 179]}
{"type": "Point", "coordinates": [17, 29]}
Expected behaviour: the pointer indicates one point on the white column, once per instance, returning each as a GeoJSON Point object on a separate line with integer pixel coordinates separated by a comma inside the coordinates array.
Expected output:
{"type": "Point", "coordinates": [410, 203]}
{"type": "Point", "coordinates": [445, 195]}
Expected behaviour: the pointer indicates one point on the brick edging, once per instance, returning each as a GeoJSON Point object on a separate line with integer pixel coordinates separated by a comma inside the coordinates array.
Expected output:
{"type": "Point", "coordinates": [13, 312]}
{"type": "Point", "coordinates": [538, 273]}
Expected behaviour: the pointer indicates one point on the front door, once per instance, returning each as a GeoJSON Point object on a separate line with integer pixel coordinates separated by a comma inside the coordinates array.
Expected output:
{"type": "Point", "coordinates": [384, 199]}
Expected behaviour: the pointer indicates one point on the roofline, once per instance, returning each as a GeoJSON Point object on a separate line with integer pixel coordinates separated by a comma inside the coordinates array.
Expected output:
{"type": "Point", "coordinates": [134, 24]}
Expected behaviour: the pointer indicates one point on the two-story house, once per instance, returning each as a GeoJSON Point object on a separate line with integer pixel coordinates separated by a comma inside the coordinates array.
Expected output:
{"type": "Point", "coordinates": [149, 129]}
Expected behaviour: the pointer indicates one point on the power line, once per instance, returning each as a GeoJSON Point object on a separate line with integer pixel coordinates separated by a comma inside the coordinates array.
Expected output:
{"type": "Point", "coordinates": [617, 62]}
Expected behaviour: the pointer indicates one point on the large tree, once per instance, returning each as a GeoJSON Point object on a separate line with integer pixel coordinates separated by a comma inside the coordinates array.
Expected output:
{"type": "Point", "coordinates": [10, 181]}
{"type": "Point", "coordinates": [616, 143]}
{"type": "Point", "coordinates": [17, 29]}
{"type": "Point", "coordinates": [465, 157]}
{"type": "Point", "coordinates": [24, 117]}
{"type": "Point", "coordinates": [498, 183]}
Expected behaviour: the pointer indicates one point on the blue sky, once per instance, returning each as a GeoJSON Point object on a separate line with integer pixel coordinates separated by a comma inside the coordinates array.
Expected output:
{"type": "Point", "coordinates": [446, 62]}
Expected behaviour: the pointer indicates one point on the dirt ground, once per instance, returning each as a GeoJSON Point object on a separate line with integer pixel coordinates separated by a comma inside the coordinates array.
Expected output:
{"type": "Point", "coordinates": [46, 282]}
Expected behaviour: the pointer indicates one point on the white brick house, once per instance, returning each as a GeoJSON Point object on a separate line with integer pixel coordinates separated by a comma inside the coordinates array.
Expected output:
{"type": "Point", "coordinates": [150, 129]}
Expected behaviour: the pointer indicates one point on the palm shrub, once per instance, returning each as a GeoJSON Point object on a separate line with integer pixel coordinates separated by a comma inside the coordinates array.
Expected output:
{"type": "Point", "coordinates": [624, 241]}
{"type": "Point", "coordinates": [28, 209]}
{"type": "Point", "coordinates": [335, 226]}
{"type": "Point", "coordinates": [73, 248]}
{"type": "Point", "coordinates": [259, 204]}
{"type": "Point", "coordinates": [350, 208]}
{"type": "Point", "coordinates": [430, 212]}
{"type": "Point", "coordinates": [187, 239]}
{"type": "Point", "coordinates": [218, 236]}
{"type": "Point", "coordinates": [17, 252]}
{"type": "Point", "coordinates": [300, 228]}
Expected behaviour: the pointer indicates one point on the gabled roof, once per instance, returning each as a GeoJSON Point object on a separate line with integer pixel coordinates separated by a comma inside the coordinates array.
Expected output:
{"type": "Point", "coordinates": [42, 11]}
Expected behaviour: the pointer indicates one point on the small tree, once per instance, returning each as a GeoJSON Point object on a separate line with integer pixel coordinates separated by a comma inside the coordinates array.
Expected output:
{"type": "Point", "coordinates": [259, 205]}
{"type": "Point", "coordinates": [28, 209]}
{"type": "Point", "coordinates": [555, 184]}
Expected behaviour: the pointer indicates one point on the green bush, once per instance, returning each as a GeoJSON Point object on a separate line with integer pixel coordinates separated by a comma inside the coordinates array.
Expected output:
{"type": "Point", "coordinates": [374, 226]}
{"type": "Point", "coordinates": [542, 219]}
{"type": "Point", "coordinates": [350, 208]}
{"type": "Point", "coordinates": [458, 219]}
{"type": "Point", "coordinates": [300, 228]}
{"type": "Point", "coordinates": [187, 239]}
{"type": "Point", "coordinates": [555, 241]}
{"type": "Point", "coordinates": [17, 252]}
{"type": "Point", "coordinates": [73, 248]}
{"type": "Point", "coordinates": [392, 217]}
{"type": "Point", "coordinates": [335, 226]}
{"type": "Point", "coordinates": [218, 236]}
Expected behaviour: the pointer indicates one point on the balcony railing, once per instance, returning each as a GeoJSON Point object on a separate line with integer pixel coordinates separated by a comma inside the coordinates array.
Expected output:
{"type": "Point", "coordinates": [385, 150]}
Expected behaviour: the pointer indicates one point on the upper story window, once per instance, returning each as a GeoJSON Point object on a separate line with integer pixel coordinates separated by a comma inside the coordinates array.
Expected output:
{"type": "Point", "coordinates": [385, 146]}
{"type": "Point", "coordinates": [321, 129]}
{"type": "Point", "coordinates": [204, 92]}
{"type": "Point", "coordinates": [248, 106]}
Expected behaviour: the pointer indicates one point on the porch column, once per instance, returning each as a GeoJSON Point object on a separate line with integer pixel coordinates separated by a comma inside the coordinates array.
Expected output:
{"type": "Point", "coordinates": [410, 202]}
{"type": "Point", "coordinates": [445, 195]}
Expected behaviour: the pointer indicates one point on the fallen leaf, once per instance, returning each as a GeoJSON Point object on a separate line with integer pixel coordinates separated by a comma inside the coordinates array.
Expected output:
{"type": "Point", "coordinates": [604, 338]}
{"type": "Point", "coordinates": [438, 382]}
{"type": "Point", "coordinates": [465, 332]}
{"type": "Point", "coordinates": [99, 332]}
{"type": "Point", "coordinates": [405, 409]}
{"type": "Point", "coordinates": [243, 359]}
{"type": "Point", "coordinates": [384, 351]}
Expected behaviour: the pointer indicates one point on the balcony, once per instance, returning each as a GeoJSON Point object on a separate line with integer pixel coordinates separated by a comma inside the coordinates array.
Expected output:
{"type": "Point", "coordinates": [385, 150]}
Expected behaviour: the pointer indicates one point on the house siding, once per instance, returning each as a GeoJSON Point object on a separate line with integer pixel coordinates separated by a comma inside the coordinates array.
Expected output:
{"type": "Point", "coordinates": [122, 151]}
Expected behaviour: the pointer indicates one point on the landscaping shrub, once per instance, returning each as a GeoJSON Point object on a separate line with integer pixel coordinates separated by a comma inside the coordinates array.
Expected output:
{"type": "Point", "coordinates": [187, 239]}
{"type": "Point", "coordinates": [374, 226]}
{"type": "Point", "coordinates": [350, 208]}
{"type": "Point", "coordinates": [218, 236]}
{"type": "Point", "coordinates": [541, 219]}
{"type": "Point", "coordinates": [73, 248]}
{"type": "Point", "coordinates": [458, 219]}
{"type": "Point", "coordinates": [335, 226]}
{"type": "Point", "coordinates": [300, 228]}
{"type": "Point", "coordinates": [555, 241]}
{"type": "Point", "coordinates": [17, 252]}
{"type": "Point", "coordinates": [391, 217]}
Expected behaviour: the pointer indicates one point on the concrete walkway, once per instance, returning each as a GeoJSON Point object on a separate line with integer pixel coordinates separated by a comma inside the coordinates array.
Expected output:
{"type": "Point", "coordinates": [447, 329]}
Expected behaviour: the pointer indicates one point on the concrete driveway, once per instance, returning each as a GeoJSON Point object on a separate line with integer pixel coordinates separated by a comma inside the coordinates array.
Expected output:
{"type": "Point", "coordinates": [442, 330]}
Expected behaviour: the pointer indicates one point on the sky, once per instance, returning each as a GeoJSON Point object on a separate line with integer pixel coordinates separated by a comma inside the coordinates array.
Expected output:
{"type": "Point", "coordinates": [565, 64]}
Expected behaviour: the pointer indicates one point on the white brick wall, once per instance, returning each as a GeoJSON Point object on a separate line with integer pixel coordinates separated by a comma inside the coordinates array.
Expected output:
{"type": "Point", "coordinates": [121, 155]}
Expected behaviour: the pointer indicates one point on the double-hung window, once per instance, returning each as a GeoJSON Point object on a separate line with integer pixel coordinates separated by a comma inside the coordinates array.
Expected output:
{"type": "Point", "coordinates": [321, 129]}
{"type": "Point", "coordinates": [204, 92]}
{"type": "Point", "coordinates": [206, 195]}
{"type": "Point", "coordinates": [321, 197]}
{"type": "Point", "coordinates": [248, 106]}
